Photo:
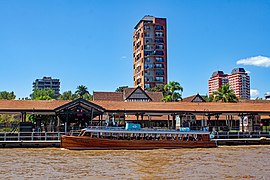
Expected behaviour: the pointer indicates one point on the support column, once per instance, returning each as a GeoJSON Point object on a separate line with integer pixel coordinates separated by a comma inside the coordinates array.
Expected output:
{"type": "Point", "coordinates": [168, 121]}
{"type": "Point", "coordinates": [216, 122]}
{"type": "Point", "coordinates": [66, 123]}
{"type": "Point", "coordinates": [23, 115]}
{"type": "Point", "coordinates": [208, 119]}
{"type": "Point", "coordinates": [92, 115]}
{"type": "Point", "coordinates": [58, 123]}
{"type": "Point", "coordinates": [141, 119]}
{"type": "Point", "coordinates": [124, 118]}
{"type": "Point", "coordinates": [181, 120]}
{"type": "Point", "coordinates": [148, 121]}
{"type": "Point", "coordinates": [99, 122]}
{"type": "Point", "coordinates": [252, 122]}
{"type": "Point", "coordinates": [173, 119]}
{"type": "Point", "coordinates": [242, 119]}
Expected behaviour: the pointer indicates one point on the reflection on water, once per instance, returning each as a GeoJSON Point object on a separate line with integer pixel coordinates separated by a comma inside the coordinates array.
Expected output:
{"type": "Point", "coordinates": [235, 162]}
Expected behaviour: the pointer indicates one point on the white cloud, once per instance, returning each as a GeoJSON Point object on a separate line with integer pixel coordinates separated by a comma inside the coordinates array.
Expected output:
{"type": "Point", "coordinates": [248, 72]}
{"type": "Point", "coordinates": [260, 61]}
{"type": "Point", "coordinates": [267, 93]}
{"type": "Point", "coordinates": [254, 93]}
{"type": "Point", "coordinates": [124, 57]}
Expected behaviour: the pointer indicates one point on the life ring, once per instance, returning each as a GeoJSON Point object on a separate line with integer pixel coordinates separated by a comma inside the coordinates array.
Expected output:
{"type": "Point", "coordinates": [212, 136]}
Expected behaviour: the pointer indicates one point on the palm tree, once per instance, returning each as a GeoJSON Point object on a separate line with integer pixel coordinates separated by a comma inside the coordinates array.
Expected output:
{"type": "Point", "coordinates": [67, 95]}
{"type": "Point", "coordinates": [82, 92]}
{"type": "Point", "coordinates": [171, 91]}
{"type": "Point", "coordinates": [224, 94]}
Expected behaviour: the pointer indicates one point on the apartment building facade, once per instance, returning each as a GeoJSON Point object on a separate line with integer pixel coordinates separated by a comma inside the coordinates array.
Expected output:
{"type": "Point", "coordinates": [217, 79]}
{"type": "Point", "coordinates": [238, 80]}
{"type": "Point", "coordinates": [47, 83]}
{"type": "Point", "coordinates": [150, 52]}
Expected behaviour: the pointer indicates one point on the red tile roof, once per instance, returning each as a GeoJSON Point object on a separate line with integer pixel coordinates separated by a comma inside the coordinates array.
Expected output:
{"type": "Point", "coordinates": [121, 106]}
{"type": "Point", "coordinates": [31, 105]}
{"type": "Point", "coordinates": [107, 96]}
{"type": "Point", "coordinates": [121, 96]}
{"type": "Point", "coordinates": [202, 107]}
{"type": "Point", "coordinates": [155, 96]}
{"type": "Point", "coordinates": [191, 98]}
{"type": "Point", "coordinates": [127, 92]}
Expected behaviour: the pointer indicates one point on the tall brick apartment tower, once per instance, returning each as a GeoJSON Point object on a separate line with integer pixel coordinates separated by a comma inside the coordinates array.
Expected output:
{"type": "Point", "coordinates": [150, 52]}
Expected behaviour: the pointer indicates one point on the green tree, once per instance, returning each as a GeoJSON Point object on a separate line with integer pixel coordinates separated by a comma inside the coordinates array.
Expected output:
{"type": "Point", "coordinates": [7, 95]}
{"type": "Point", "coordinates": [82, 92]}
{"type": "Point", "coordinates": [43, 94]}
{"type": "Point", "coordinates": [26, 98]}
{"type": "Point", "coordinates": [171, 92]}
{"type": "Point", "coordinates": [121, 88]}
{"type": "Point", "coordinates": [158, 88]}
{"type": "Point", "coordinates": [67, 95]}
{"type": "Point", "coordinates": [224, 94]}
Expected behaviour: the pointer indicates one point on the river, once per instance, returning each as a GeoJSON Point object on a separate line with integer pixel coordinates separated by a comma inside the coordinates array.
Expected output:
{"type": "Point", "coordinates": [225, 162]}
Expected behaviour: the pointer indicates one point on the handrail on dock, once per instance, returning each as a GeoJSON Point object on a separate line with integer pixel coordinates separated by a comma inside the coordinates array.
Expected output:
{"type": "Point", "coordinates": [240, 135]}
{"type": "Point", "coordinates": [30, 136]}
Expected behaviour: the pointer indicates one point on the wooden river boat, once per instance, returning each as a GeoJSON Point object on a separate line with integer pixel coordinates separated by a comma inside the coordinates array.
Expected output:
{"type": "Point", "coordinates": [117, 138]}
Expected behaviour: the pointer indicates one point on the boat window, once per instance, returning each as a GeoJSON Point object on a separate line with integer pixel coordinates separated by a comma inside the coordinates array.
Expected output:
{"type": "Point", "coordinates": [101, 135]}
{"type": "Point", "coordinates": [199, 137]}
{"type": "Point", "coordinates": [81, 133]}
{"type": "Point", "coordinates": [185, 137]}
{"type": "Point", "coordinates": [191, 137]}
{"type": "Point", "coordinates": [95, 135]}
{"type": "Point", "coordinates": [107, 135]}
{"type": "Point", "coordinates": [114, 135]}
{"type": "Point", "coordinates": [86, 134]}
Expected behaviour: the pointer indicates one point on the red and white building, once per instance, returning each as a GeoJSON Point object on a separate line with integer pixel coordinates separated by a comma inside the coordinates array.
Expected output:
{"type": "Point", "coordinates": [216, 81]}
{"type": "Point", "coordinates": [238, 80]}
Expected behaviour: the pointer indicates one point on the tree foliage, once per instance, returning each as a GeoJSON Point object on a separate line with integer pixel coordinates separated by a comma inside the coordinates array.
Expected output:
{"type": "Point", "coordinates": [43, 94]}
{"type": "Point", "coordinates": [171, 92]}
{"type": "Point", "coordinates": [121, 88]}
{"type": "Point", "coordinates": [8, 121]}
{"type": "Point", "coordinates": [82, 92]}
{"type": "Point", "coordinates": [224, 94]}
{"type": "Point", "coordinates": [67, 95]}
{"type": "Point", "coordinates": [7, 95]}
{"type": "Point", "coordinates": [158, 88]}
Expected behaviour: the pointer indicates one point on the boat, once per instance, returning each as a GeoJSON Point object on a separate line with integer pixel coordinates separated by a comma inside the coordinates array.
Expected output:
{"type": "Point", "coordinates": [94, 138]}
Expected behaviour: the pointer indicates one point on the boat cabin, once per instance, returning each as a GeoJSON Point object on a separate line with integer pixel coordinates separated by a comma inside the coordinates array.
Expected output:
{"type": "Point", "coordinates": [122, 134]}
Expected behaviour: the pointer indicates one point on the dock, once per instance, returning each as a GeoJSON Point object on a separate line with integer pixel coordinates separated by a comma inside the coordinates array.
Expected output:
{"type": "Point", "coordinates": [30, 139]}
{"type": "Point", "coordinates": [242, 141]}
{"type": "Point", "coordinates": [52, 139]}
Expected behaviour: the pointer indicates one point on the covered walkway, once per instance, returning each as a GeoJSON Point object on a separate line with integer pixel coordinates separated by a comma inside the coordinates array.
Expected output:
{"type": "Point", "coordinates": [66, 115]}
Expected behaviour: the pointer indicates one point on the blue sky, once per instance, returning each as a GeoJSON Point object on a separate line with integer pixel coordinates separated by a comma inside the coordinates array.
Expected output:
{"type": "Point", "coordinates": [90, 42]}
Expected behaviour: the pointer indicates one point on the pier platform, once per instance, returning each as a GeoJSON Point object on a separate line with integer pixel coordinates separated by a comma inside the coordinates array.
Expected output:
{"type": "Point", "coordinates": [52, 139]}
{"type": "Point", "coordinates": [243, 141]}
{"type": "Point", "coordinates": [29, 144]}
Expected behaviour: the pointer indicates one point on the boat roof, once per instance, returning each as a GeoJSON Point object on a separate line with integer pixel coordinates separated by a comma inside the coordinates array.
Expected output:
{"type": "Point", "coordinates": [142, 131]}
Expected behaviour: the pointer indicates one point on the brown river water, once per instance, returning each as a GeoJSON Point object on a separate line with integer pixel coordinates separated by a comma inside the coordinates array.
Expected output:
{"type": "Point", "coordinates": [226, 162]}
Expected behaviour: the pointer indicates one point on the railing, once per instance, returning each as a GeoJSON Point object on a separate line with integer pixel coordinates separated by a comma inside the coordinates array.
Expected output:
{"type": "Point", "coordinates": [31, 136]}
{"type": "Point", "coordinates": [239, 135]}
{"type": "Point", "coordinates": [56, 136]}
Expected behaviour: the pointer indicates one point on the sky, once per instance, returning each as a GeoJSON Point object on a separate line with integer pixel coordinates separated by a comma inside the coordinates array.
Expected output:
{"type": "Point", "coordinates": [89, 42]}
